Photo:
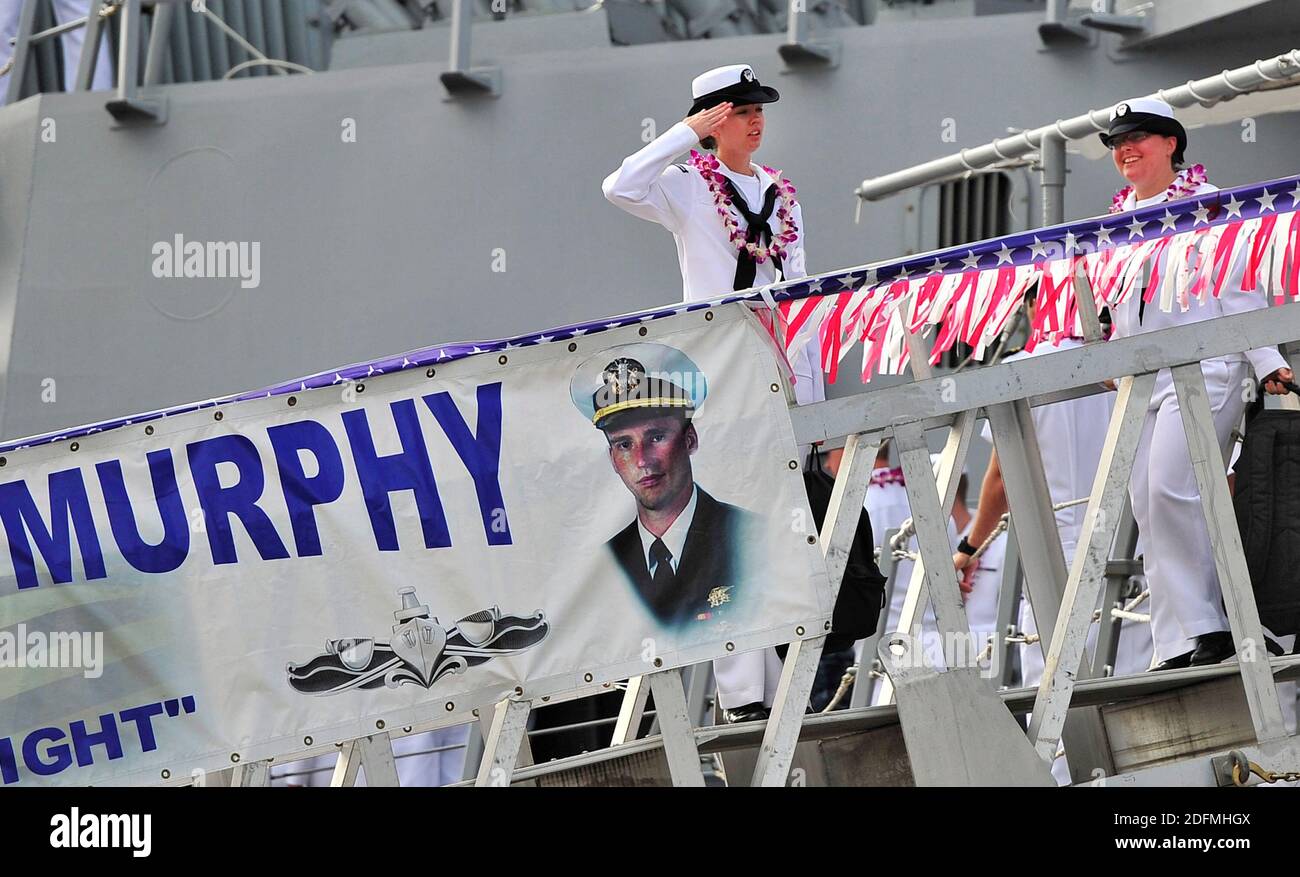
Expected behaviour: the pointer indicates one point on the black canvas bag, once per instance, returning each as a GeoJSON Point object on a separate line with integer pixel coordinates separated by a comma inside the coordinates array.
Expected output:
{"type": "Point", "coordinates": [1266, 499]}
{"type": "Point", "coordinates": [862, 592]}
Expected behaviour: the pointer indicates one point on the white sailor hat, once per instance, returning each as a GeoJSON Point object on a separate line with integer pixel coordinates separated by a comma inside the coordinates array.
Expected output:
{"type": "Point", "coordinates": [645, 378]}
{"type": "Point", "coordinates": [735, 83]}
{"type": "Point", "coordinates": [1145, 114]}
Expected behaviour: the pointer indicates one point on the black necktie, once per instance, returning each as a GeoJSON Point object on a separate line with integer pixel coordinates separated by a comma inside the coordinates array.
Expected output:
{"type": "Point", "coordinates": [758, 232]}
{"type": "Point", "coordinates": [664, 579]}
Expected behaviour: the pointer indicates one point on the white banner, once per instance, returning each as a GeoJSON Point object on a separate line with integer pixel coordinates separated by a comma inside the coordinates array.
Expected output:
{"type": "Point", "coordinates": [245, 582]}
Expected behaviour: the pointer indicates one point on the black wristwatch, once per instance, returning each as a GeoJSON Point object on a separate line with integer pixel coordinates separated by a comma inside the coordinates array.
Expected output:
{"type": "Point", "coordinates": [966, 548]}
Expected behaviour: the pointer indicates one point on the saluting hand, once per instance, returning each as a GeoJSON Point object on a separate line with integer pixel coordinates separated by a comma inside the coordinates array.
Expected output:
{"type": "Point", "coordinates": [705, 122]}
{"type": "Point", "coordinates": [1273, 383]}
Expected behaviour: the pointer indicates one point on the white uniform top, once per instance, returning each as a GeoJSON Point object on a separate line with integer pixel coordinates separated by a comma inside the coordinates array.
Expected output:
{"type": "Point", "coordinates": [888, 507]}
{"type": "Point", "coordinates": [1070, 436]}
{"type": "Point", "coordinates": [1231, 300]}
{"type": "Point", "coordinates": [650, 187]}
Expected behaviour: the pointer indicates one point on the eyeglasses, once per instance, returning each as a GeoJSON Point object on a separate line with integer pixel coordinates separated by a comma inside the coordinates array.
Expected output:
{"type": "Point", "coordinates": [1134, 137]}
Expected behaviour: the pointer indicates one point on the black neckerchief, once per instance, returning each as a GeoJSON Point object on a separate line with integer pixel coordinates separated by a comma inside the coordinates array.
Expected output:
{"type": "Point", "coordinates": [758, 232]}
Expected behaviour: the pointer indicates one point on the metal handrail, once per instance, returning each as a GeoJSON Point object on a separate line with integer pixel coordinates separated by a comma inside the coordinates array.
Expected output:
{"type": "Point", "coordinates": [1261, 75]}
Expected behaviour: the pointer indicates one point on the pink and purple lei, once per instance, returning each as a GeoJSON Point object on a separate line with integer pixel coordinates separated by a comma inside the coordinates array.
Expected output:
{"type": "Point", "coordinates": [1184, 185]}
{"type": "Point", "coordinates": [708, 165]}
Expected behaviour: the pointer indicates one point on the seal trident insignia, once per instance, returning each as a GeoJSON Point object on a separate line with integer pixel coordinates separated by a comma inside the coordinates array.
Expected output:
{"type": "Point", "coordinates": [421, 651]}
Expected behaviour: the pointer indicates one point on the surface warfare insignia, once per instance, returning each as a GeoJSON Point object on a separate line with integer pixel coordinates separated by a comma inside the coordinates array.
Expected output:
{"type": "Point", "coordinates": [421, 651]}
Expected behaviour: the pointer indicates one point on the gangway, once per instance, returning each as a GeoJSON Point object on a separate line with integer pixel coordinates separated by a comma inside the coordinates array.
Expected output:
{"type": "Point", "coordinates": [1112, 740]}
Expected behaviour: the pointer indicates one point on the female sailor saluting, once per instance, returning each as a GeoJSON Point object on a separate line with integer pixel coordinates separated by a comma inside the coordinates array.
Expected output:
{"type": "Point", "coordinates": [736, 225]}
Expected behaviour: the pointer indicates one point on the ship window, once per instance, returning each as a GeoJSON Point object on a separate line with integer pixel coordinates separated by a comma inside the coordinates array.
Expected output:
{"type": "Point", "coordinates": [973, 209]}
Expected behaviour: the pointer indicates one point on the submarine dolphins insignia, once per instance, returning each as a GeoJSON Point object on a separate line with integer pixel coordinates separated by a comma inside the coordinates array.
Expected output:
{"type": "Point", "coordinates": [420, 652]}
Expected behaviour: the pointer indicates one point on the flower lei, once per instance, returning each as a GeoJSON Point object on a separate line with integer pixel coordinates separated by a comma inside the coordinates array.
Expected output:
{"type": "Point", "coordinates": [707, 165]}
{"type": "Point", "coordinates": [1184, 185]}
{"type": "Point", "coordinates": [885, 477]}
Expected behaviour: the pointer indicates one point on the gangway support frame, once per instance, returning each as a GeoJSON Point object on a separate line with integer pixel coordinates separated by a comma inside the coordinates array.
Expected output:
{"type": "Point", "coordinates": [799, 671]}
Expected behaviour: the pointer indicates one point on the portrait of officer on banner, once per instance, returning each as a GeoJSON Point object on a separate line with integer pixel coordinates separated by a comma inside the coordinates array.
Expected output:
{"type": "Point", "coordinates": [684, 552]}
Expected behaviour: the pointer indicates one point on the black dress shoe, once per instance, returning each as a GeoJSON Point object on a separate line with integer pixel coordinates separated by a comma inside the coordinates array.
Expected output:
{"type": "Point", "coordinates": [1211, 648]}
{"type": "Point", "coordinates": [1177, 662]}
{"type": "Point", "coordinates": [750, 712]}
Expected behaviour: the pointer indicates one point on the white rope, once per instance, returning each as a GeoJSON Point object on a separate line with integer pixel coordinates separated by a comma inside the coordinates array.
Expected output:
{"type": "Point", "coordinates": [266, 62]}
{"type": "Point", "coordinates": [846, 682]}
{"type": "Point", "coordinates": [908, 528]}
{"type": "Point", "coordinates": [201, 7]}
{"type": "Point", "coordinates": [1125, 613]}
{"type": "Point", "coordinates": [1137, 601]}
{"type": "Point", "coordinates": [987, 652]}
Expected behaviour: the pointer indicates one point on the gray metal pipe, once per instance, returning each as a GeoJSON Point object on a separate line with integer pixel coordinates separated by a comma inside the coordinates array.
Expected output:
{"type": "Point", "coordinates": [158, 40]}
{"type": "Point", "coordinates": [1057, 11]}
{"type": "Point", "coordinates": [462, 16]}
{"type": "Point", "coordinates": [1052, 152]}
{"type": "Point", "coordinates": [1253, 77]}
{"type": "Point", "coordinates": [128, 57]}
{"type": "Point", "coordinates": [797, 22]}
{"type": "Point", "coordinates": [366, 16]}
{"type": "Point", "coordinates": [21, 57]}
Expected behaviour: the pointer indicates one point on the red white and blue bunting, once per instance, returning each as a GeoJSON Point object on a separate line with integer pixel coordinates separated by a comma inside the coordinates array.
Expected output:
{"type": "Point", "coordinates": [963, 294]}
{"type": "Point", "coordinates": [1192, 247]}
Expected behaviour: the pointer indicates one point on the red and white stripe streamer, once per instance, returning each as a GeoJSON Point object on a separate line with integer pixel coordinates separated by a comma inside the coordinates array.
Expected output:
{"type": "Point", "coordinates": [1255, 255]}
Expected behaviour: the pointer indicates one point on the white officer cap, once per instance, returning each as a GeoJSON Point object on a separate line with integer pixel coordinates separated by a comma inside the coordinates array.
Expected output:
{"type": "Point", "coordinates": [734, 82]}
{"type": "Point", "coordinates": [1149, 105]}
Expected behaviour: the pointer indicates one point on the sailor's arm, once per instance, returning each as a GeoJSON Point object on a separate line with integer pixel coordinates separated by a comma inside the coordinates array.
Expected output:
{"type": "Point", "coordinates": [993, 504]}
{"type": "Point", "coordinates": [647, 187]}
{"type": "Point", "coordinates": [810, 383]}
{"type": "Point", "coordinates": [1265, 361]}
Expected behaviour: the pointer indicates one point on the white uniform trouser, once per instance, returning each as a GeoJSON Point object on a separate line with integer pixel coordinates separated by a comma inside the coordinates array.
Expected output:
{"type": "Point", "coordinates": [751, 677]}
{"type": "Point", "coordinates": [1179, 563]}
{"type": "Point", "coordinates": [1132, 656]}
